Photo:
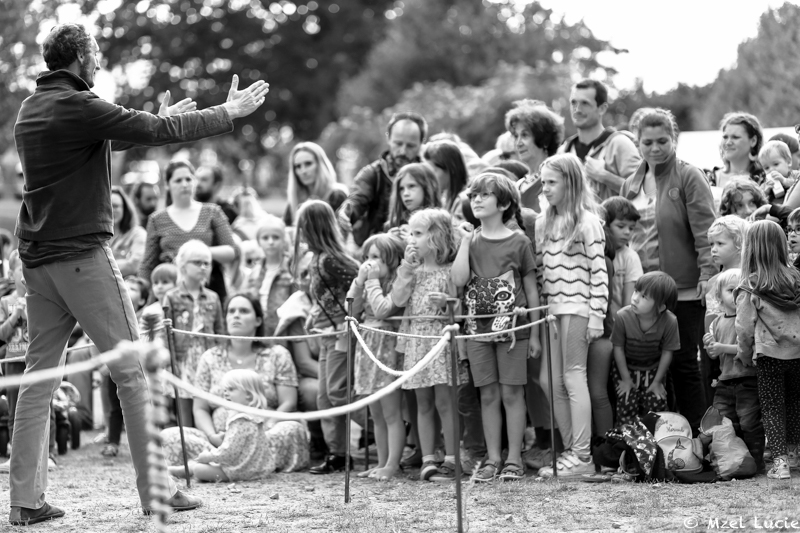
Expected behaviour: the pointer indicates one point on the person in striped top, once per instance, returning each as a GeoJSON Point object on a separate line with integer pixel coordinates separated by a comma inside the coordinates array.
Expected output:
{"type": "Point", "coordinates": [570, 254]}
{"type": "Point", "coordinates": [644, 337]}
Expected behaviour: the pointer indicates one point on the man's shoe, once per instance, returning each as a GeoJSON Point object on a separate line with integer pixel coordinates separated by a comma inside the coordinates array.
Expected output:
{"type": "Point", "coordinates": [332, 463]}
{"type": "Point", "coordinates": [180, 501]}
{"type": "Point", "coordinates": [22, 516]}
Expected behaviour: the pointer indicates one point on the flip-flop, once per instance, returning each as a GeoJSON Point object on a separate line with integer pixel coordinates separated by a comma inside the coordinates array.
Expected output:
{"type": "Point", "coordinates": [596, 478]}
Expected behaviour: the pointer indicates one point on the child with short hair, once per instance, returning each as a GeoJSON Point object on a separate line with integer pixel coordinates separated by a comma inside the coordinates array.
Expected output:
{"type": "Point", "coordinates": [644, 337]}
{"type": "Point", "coordinates": [621, 219]}
{"type": "Point", "coordinates": [767, 322]}
{"type": "Point", "coordinates": [736, 393]}
{"type": "Point", "coordinates": [270, 279]}
{"type": "Point", "coordinates": [496, 267]}
{"type": "Point", "coordinates": [741, 197]}
{"type": "Point", "coordinates": [776, 160]}
{"type": "Point", "coordinates": [725, 235]}
{"type": "Point", "coordinates": [194, 308]}
{"type": "Point", "coordinates": [245, 453]}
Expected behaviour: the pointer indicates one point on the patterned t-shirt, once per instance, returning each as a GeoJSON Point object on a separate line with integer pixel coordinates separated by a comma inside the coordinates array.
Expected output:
{"type": "Point", "coordinates": [497, 267]}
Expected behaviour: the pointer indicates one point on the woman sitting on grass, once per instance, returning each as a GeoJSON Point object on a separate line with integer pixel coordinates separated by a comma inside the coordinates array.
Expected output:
{"type": "Point", "coordinates": [287, 440]}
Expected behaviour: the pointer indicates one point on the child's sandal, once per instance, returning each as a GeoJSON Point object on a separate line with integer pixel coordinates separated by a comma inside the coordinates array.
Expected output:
{"type": "Point", "coordinates": [511, 472]}
{"type": "Point", "coordinates": [486, 473]}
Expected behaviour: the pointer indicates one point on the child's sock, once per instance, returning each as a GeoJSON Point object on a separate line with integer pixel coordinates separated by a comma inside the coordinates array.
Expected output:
{"type": "Point", "coordinates": [450, 459]}
{"type": "Point", "coordinates": [429, 458]}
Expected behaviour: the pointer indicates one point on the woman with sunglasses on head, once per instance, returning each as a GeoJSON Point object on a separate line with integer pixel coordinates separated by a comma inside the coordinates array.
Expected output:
{"type": "Point", "coordinates": [185, 219]}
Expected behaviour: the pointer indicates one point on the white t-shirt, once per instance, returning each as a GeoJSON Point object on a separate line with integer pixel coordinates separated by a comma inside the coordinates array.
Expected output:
{"type": "Point", "coordinates": [627, 269]}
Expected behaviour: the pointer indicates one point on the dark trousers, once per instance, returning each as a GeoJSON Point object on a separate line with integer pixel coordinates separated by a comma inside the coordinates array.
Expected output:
{"type": "Point", "coordinates": [690, 395]}
{"type": "Point", "coordinates": [738, 400]}
{"type": "Point", "coordinates": [114, 432]}
{"type": "Point", "coordinates": [779, 394]}
{"type": "Point", "coordinates": [469, 407]}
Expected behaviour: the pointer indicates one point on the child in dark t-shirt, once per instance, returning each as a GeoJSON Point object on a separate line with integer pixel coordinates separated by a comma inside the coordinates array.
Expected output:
{"type": "Point", "coordinates": [644, 337]}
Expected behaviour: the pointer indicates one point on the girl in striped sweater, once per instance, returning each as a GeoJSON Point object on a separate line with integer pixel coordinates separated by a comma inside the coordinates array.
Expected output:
{"type": "Point", "coordinates": [572, 272]}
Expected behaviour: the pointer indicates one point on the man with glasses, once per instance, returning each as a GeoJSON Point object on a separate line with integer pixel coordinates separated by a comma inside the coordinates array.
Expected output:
{"type": "Point", "coordinates": [64, 135]}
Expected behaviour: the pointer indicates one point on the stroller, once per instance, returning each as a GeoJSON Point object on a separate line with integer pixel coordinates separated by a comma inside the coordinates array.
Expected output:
{"type": "Point", "coordinates": [68, 418]}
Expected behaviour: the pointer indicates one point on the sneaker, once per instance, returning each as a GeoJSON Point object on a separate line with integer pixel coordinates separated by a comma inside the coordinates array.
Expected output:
{"type": "Point", "coordinates": [780, 469]}
{"type": "Point", "coordinates": [429, 468]}
{"type": "Point", "coordinates": [536, 458]}
{"type": "Point", "coordinates": [485, 474]}
{"type": "Point", "coordinates": [446, 472]}
{"type": "Point", "coordinates": [412, 458]}
{"type": "Point", "coordinates": [569, 465]}
{"type": "Point", "coordinates": [794, 459]}
{"type": "Point", "coordinates": [5, 468]}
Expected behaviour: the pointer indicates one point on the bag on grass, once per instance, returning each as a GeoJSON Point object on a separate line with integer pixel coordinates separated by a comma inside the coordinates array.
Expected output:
{"type": "Point", "coordinates": [728, 453]}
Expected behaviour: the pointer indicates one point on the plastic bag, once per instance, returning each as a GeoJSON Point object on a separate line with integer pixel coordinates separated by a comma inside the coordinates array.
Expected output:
{"type": "Point", "coordinates": [728, 453]}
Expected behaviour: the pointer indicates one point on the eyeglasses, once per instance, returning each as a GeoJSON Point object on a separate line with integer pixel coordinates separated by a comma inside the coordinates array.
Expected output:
{"type": "Point", "coordinates": [199, 263]}
{"type": "Point", "coordinates": [791, 230]}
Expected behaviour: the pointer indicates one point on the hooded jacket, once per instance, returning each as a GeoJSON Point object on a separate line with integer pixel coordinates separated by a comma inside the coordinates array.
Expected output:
{"type": "Point", "coordinates": [767, 324]}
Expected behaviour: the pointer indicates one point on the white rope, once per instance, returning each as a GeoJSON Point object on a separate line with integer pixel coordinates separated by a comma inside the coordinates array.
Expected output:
{"type": "Point", "coordinates": [473, 336]}
{"type": "Point", "coordinates": [367, 351]}
{"type": "Point", "coordinates": [21, 358]}
{"type": "Point", "coordinates": [239, 338]}
{"type": "Point", "coordinates": [462, 317]}
{"type": "Point", "coordinates": [60, 371]}
{"type": "Point", "coordinates": [315, 415]}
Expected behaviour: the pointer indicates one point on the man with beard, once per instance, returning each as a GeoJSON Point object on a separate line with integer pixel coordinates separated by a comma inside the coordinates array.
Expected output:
{"type": "Point", "coordinates": [366, 209]}
{"type": "Point", "coordinates": [145, 199]}
{"type": "Point", "coordinates": [609, 156]}
{"type": "Point", "coordinates": [209, 181]}
{"type": "Point", "coordinates": [64, 135]}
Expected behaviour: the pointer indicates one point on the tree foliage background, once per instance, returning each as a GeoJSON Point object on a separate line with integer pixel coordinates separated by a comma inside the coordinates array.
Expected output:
{"type": "Point", "coordinates": [339, 68]}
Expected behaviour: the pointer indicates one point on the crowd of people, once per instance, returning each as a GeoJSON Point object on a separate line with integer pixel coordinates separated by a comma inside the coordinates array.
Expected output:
{"type": "Point", "coordinates": [671, 288]}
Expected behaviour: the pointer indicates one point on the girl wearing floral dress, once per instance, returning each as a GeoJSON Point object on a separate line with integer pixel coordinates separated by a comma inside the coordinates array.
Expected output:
{"type": "Point", "coordinates": [371, 293]}
{"type": "Point", "coordinates": [422, 286]}
{"type": "Point", "coordinates": [245, 453]}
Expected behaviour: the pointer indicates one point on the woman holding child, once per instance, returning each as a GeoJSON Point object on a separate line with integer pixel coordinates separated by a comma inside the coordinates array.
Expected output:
{"type": "Point", "coordinates": [288, 440]}
{"type": "Point", "coordinates": [676, 207]}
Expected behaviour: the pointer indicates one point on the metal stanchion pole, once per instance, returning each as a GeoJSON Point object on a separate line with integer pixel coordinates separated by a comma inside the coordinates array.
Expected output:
{"type": "Point", "coordinates": [365, 433]}
{"type": "Point", "coordinates": [349, 400]}
{"type": "Point", "coordinates": [451, 302]}
{"type": "Point", "coordinates": [550, 391]}
{"type": "Point", "coordinates": [178, 414]}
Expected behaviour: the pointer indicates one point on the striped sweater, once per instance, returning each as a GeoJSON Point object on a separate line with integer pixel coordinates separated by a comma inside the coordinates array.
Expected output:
{"type": "Point", "coordinates": [574, 281]}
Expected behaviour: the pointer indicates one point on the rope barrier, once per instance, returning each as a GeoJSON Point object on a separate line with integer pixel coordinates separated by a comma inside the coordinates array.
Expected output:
{"type": "Point", "coordinates": [367, 351]}
{"type": "Point", "coordinates": [241, 338]}
{"type": "Point", "coordinates": [60, 371]}
{"type": "Point", "coordinates": [473, 336]}
{"type": "Point", "coordinates": [325, 413]}
{"type": "Point", "coordinates": [21, 358]}
{"type": "Point", "coordinates": [462, 317]}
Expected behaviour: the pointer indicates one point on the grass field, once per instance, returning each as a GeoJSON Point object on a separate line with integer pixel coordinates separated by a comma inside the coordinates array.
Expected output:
{"type": "Point", "coordinates": [98, 495]}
